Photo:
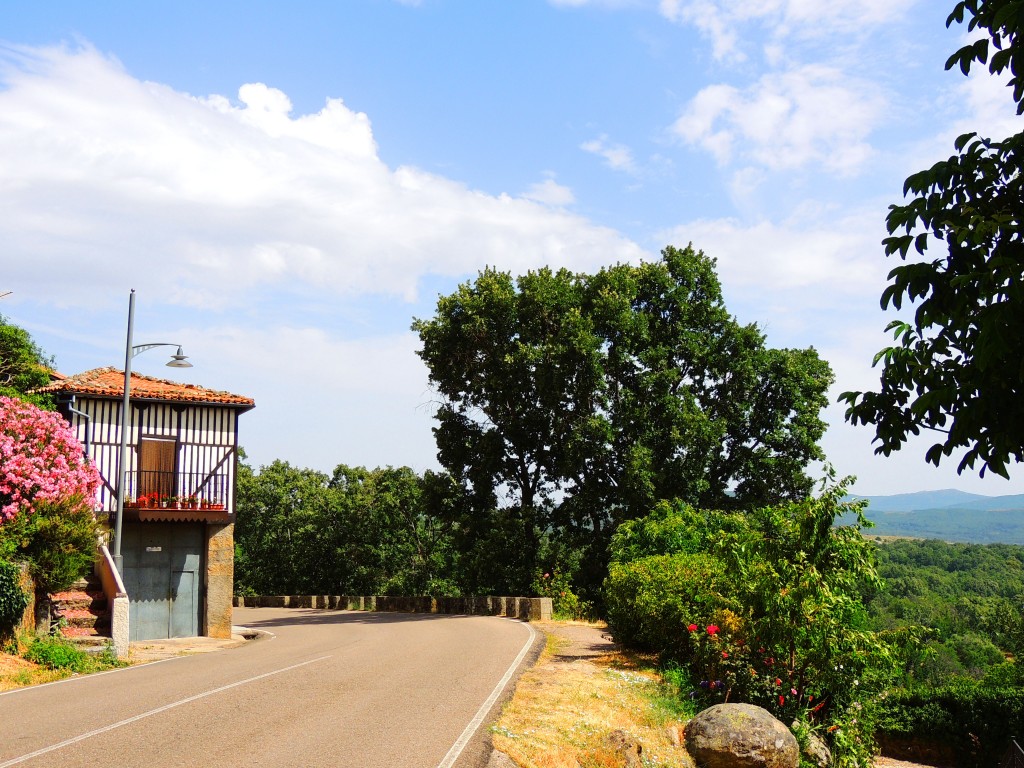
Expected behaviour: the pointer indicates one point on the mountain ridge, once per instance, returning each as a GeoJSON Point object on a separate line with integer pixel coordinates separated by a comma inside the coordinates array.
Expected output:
{"type": "Point", "coordinates": [949, 515]}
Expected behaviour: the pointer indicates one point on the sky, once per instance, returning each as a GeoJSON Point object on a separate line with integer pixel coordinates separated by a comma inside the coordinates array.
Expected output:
{"type": "Point", "coordinates": [287, 186]}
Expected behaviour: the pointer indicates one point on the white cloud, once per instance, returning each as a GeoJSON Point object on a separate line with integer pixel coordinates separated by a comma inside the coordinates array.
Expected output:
{"type": "Point", "coordinates": [550, 192]}
{"type": "Point", "coordinates": [208, 200]}
{"type": "Point", "coordinates": [619, 157]}
{"type": "Point", "coordinates": [787, 120]}
{"type": "Point", "coordinates": [372, 405]}
{"type": "Point", "coordinates": [990, 109]}
{"type": "Point", "coordinates": [817, 255]}
{"type": "Point", "coordinates": [598, 3]}
{"type": "Point", "coordinates": [725, 22]}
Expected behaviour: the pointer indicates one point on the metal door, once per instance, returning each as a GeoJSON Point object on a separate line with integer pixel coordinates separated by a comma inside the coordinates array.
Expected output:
{"type": "Point", "coordinates": [162, 573]}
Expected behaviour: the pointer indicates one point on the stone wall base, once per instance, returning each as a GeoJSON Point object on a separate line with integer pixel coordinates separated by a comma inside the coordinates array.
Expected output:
{"type": "Point", "coordinates": [526, 608]}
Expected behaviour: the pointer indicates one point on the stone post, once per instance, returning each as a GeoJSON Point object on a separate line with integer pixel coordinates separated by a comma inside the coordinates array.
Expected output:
{"type": "Point", "coordinates": [220, 577]}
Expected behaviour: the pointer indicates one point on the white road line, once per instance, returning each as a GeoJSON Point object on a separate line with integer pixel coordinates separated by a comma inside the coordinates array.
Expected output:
{"type": "Point", "coordinates": [119, 670]}
{"type": "Point", "coordinates": [158, 710]}
{"type": "Point", "coordinates": [474, 724]}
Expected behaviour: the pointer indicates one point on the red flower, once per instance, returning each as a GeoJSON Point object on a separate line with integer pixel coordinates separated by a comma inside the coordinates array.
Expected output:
{"type": "Point", "coordinates": [782, 699]}
{"type": "Point", "coordinates": [691, 627]}
{"type": "Point", "coordinates": [712, 629]}
{"type": "Point", "coordinates": [778, 681]}
{"type": "Point", "coordinates": [725, 654]}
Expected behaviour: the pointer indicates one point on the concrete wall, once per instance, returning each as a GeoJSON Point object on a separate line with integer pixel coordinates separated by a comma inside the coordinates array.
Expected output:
{"type": "Point", "coordinates": [220, 576]}
{"type": "Point", "coordinates": [527, 608]}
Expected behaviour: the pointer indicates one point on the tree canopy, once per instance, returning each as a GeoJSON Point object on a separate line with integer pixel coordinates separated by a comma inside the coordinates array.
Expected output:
{"type": "Point", "coordinates": [569, 402]}
{"type": "Point", "coordinates": [957, 368]}
{"type": "Point", "coordinates": [23, 365]}
{"type": "Point", "coordinates": [355, 532]}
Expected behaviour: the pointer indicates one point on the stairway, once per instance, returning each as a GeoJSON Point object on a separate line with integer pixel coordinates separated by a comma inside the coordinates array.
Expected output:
{"type": "Point", "coordinates": [83, 608]}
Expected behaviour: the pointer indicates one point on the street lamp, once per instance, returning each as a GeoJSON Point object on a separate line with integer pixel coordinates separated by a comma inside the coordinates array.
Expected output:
{"type": "Point", "coordinates": [178, 360]}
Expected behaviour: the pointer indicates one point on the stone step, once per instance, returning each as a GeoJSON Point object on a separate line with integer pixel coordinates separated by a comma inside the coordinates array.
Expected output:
{"type": "Point", "coordinates": [89, 583]}
{"type": "Point", "coordinates": [89, 643]}
{"type": "Point", "coordinates": [82, 609]}
{"type": "Point", "coordinates": [84, 618]}
{"type": "Point", "coordinates": [98, 633]}
{"type": "Point", "coordinates": [78, 598]}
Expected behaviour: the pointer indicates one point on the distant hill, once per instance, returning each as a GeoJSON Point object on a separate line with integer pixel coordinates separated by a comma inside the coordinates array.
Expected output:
{"type": "Point", "coordinates": [949, 515]}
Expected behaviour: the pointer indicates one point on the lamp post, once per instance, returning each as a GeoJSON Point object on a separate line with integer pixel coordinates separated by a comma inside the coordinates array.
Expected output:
{"type": "Point", "coordinates": [178, 360]}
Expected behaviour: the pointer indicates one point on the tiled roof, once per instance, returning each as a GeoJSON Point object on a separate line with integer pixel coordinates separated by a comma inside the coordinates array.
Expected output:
{"type": "Point", "coordinates": [109, 382]}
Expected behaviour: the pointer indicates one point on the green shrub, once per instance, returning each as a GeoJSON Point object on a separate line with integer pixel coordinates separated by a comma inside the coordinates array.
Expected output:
{"type": "Point", "coordinates": [57, 653]}
{"type": "Point", "coordinates": [13, 599]}
{"type": "Point", "coordinates": [58, 541]}
{"type": "Point", "coordinates": [566, 605]}
{"type": "Point", "coordinates": [1006, 675]}
{"type": "Point", "coordinates": [672, 528]}
{"type": "Point", "coordinates": [975, 721]}
{"type": "Point", "coordinates": [772, 615]}
{"type": "Point", "coordinates": [651, 601]}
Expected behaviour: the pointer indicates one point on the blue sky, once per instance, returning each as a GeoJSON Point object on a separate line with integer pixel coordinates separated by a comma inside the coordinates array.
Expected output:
{"type": "Point", "coordinates": [288, 186]}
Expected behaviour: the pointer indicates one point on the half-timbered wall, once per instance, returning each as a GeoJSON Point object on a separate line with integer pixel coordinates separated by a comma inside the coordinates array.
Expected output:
{"type": "Point", "coordinates": [206, 436]}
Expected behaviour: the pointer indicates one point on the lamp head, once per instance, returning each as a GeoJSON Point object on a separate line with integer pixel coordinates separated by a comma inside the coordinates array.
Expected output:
{"type": "Point", "coordinates": [179, 360]}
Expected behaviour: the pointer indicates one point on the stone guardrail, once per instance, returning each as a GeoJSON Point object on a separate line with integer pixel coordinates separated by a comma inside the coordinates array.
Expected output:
{"type": "Point", "coordinates": [526, 608]}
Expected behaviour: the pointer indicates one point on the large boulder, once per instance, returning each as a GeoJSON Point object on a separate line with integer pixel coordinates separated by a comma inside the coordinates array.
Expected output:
{"type": "Point", "coordinates": [740, 736]}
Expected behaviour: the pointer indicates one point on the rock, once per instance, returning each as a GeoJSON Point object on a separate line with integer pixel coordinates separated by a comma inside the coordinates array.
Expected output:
{"type": "Point", "coordinates": [674, 733]}
{"type": "Point", "coordinates": [740, 736]}
{"type": "Point", "coordinates": [628, 750]}
{"type": "Point", "coordinates": [817, 751]}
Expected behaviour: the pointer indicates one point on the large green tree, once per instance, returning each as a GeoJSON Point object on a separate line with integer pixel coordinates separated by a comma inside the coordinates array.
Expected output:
{"type": "Point", "coordinates": [569, 402]}
{"type": "Point", "coordinates": [957, 367]}
{"type": "Point", "coordinates": [23, 365]}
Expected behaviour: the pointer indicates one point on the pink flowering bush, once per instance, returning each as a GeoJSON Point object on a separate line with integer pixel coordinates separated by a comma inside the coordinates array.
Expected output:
{"type": "Point", "coordinates": [41, 461]}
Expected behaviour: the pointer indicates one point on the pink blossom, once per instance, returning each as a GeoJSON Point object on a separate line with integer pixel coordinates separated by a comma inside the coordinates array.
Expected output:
{"type": "Point", "coordinates": [42, 460]}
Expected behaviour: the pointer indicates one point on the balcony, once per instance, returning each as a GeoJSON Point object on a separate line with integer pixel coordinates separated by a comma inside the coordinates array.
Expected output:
{"type": "Point", "coordinates": [157, 495]}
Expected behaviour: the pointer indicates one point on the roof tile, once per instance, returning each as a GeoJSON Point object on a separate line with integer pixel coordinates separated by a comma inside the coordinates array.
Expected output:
{"type": "Point", "coordinates": [109, 382]}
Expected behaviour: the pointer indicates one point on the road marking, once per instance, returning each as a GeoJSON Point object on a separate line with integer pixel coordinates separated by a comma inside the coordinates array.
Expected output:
{"type": "Point", "coordinates": [158, 710]}
{"type": "Point", "coordinates": [474, 724]}
{"type": "Point", "coordinates": [132, 668]}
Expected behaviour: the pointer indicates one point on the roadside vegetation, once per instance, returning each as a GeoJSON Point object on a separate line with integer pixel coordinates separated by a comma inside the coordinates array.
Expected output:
{"type": "Point", "coordinates": [562, 714]}
{"type": "Point", "coordinates": [47, 521]}
{"type": "Point", "coordinates": [621, 443]}
{"type": "Point", "coordinates": [45, 659]}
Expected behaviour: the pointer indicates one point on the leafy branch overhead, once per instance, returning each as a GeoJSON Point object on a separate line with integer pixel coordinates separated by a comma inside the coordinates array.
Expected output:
{"type": "Point", "coordinates": [957, 368]}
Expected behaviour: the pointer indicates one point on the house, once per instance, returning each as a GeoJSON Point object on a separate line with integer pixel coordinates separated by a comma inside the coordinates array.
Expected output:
{"type": "Point", "coordinates": [178, 520]}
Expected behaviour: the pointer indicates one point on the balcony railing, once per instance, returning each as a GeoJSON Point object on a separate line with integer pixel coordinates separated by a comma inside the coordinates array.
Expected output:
{"type": "Point", "coordinates": [203, 488]}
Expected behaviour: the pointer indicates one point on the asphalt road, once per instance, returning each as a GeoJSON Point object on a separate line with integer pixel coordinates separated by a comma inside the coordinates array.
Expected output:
{"type": "Point", "coordinates": [327, 688]}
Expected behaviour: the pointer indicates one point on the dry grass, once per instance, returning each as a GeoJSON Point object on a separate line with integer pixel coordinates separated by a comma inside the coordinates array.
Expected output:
{"type": "Point", "coordinates": [564, 710]}
{"type": "Point", "coordinates": [16, 672]}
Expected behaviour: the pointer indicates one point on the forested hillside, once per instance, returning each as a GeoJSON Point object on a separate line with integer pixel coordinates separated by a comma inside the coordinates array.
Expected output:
{"type": "Point", "coordinates": [968, 597]}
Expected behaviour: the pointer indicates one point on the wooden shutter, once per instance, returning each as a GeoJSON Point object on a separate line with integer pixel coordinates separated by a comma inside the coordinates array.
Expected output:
{"type": "Point", "coordinates": [156, 466]}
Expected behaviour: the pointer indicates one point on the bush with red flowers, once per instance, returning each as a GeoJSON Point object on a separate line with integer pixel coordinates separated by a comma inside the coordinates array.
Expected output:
{"type": "Point", "coordinates": [774, 616]}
